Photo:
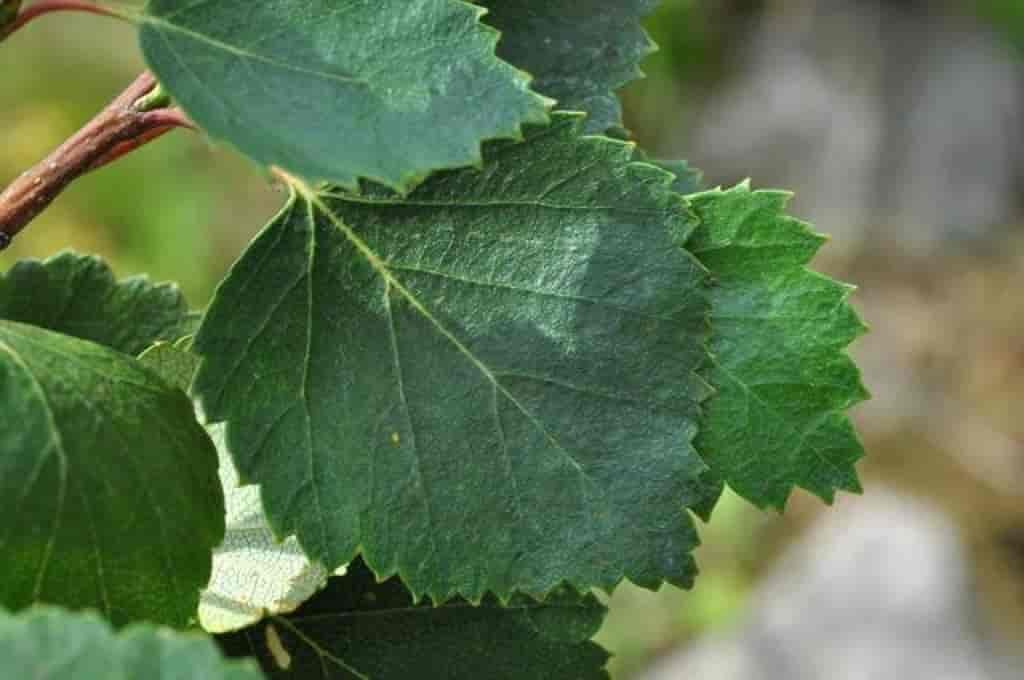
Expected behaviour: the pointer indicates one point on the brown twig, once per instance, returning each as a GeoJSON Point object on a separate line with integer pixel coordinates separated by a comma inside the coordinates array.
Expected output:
{"type": "Point", "coordinates": [117, 130]}
{"type": "Point", "coordinates": [48, 6]}
{"type": "Point", "coordinates": [162, 122]}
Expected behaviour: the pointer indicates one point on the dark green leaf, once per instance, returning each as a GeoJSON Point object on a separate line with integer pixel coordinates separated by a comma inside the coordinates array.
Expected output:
{"type": "Point", "coordinates": [779, 332]}
{"type": "Point", "coordinates": [579, 51]}
{"type": "Point", "coordinates": [384, 89]}
{"type": "Point", "coordinates": [191, 324]}
{"type": "Point", "coordinates": [688, 180]}
{"type": "Point", "coordinates": [174, 362]}
{"type": "Point", "coordinates": [711, 487]}
{"type": "Point", "coordinates": [357, 629]}
{"type": "Point", "coordinates": [490, 385]}
{"type": "Point", "coordinates": [109, 484]}
{"type": "Point", "coordinates": [78, 295]}
{"type": "Point", "coordinates": [50, 644]}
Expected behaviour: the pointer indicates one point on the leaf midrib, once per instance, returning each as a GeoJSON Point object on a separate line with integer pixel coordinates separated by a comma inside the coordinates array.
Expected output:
{"type": "Point", "coordinates": [159, 23]}
{"type": "Point", "coordinates": [381, 267]}
{"type": "Point", "coordinates": [304, 396]}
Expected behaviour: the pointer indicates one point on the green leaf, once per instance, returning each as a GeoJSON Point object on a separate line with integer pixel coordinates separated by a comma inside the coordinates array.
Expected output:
{"type": "Point", "coordinates": [109, 484]}
{"type": "Point", "coordinates": [490, 385]}
{"type": "Point", "coordinates": [50, 644]}
{"type": "Point", "coordinates": [689, 180]}
{"type": "Point", "coordinates": [254, 574]}
{"type": "Point", "coordinates": [579, 51]}
{"type": "Point", "coordinates": [388, 90]}
{"type": "Point", "coordinates": [358, 628]}
{"type": "Point", "coordinates": [174, 362]}
{"type": "Point", "coordinates": [78, 295]}
{"type": "Point", "coordinates": [779, 332]}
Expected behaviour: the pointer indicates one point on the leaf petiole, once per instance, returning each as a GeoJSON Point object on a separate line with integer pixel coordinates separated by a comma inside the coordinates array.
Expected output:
{"type": "Point", "coordinates": [43, 7]}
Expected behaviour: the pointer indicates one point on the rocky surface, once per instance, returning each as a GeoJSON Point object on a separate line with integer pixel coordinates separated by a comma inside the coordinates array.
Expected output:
{"type": "Point", "coordinates": [897, 126]}
{"type": "Point", "coordinates": [879, 590]}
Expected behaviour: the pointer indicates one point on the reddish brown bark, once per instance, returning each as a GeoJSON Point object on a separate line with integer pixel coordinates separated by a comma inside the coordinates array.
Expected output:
{"type": "Point", "coordinates": [118, 129]}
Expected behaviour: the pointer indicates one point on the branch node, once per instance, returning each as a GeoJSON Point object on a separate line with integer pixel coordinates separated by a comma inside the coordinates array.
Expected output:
{"type": "Point", "coordinates": [115, 131]}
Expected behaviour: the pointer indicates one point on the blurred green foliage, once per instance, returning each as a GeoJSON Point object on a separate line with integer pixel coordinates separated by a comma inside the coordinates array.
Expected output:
{"type": "Point", "coordinates": [176, 209]}
{"type": "Point", "coordinates": [1006, 16]}
{"type": "Point", "coordinates": [642, 624]}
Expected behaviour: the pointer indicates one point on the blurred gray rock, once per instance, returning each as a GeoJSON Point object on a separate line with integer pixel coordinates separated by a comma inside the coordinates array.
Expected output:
{"type": "Point", "coordinates": [879, 590]}
{"type": "Point", "coordinates": [897, 124]}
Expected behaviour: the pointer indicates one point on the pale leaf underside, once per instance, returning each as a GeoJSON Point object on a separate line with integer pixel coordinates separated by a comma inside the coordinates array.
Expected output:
{"type": "Point", "coordinates": [254, 574]}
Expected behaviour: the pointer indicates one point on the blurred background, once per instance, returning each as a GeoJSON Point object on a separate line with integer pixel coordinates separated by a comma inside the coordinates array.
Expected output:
{"type": "Point", "coordinates": [899, 125]}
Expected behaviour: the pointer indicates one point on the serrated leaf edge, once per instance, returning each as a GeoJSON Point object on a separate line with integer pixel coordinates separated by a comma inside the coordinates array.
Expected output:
{"type": "Point", "coordinates": [410, 180]}
{"type": "Point", "coordinates": [862, 394]}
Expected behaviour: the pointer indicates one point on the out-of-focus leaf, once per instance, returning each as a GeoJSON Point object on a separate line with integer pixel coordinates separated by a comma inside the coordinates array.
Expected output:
{"type": "Point", "coordinates": [78, 295]}
{"type": "Point", "coordinates": [51, 644]}
{"type": "Point", "coordinates": [110, 495]}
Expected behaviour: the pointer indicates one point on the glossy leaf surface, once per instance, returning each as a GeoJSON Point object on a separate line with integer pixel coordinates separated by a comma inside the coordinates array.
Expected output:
{"type": "Point", "coordinates": [489, 385]}
{"type": "Point", "coordinates": [579, 51]}
{"type": "Point", "coordinates": [388, 90]}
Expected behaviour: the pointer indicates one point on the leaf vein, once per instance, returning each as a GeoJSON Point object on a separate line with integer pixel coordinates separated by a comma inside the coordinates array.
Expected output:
{"type": "Point", "coordinates": [159, 23]}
